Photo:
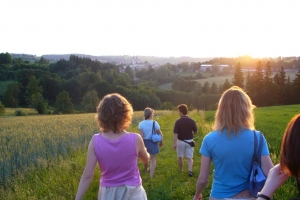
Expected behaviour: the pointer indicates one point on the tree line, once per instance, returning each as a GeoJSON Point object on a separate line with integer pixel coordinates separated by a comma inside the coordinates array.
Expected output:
{"type": "Point", "coordinates": [77, 84]}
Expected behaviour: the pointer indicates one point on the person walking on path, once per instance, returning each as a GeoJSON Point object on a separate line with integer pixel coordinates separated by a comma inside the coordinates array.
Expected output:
{"type": "Point", "coordinates": [145, 128]}
{"type": "Point", "coordinates": [116, 151]}
{"type": "Point", "coordinates": [184, 130]}
{"type": "Point", "coordinates": [230, 147]}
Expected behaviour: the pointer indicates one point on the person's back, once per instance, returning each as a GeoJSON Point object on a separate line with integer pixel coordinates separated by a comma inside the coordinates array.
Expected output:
{"type": "Point", "coordinates": [231, 147]}
{"type": "Point", "coordinates": [185, 127]}
{"type": "Point", "coordinates": [116, 151]}
{"type": "Point", "coordinates": [232, 158]}
{"type": "Point", "coordinates": [117, 160]}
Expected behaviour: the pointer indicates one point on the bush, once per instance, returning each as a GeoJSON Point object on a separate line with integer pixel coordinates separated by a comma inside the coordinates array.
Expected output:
{"type": "Point", "coordinates": [2, 108]}
{"type": "Point", "coordinates": [49, 112]}
{"type": "Point", "coordinates": [41, 107]}
{"type": "Point", "coordinates": [20, 113]}
{"type": "Point", "coordinates": [167, 106]}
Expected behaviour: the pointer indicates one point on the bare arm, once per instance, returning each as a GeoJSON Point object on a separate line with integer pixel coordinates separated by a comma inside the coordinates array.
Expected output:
{"type": "Point", "coordinates": [141, 149]}
{"type": "Point", "coordinates": [275, 179]}
{"type": "Point", "coordinates": [266, 164]}
{"type": "Point", "coordinates": [203, 177]}
{"type": "Point", "coordinates": [175, 141]}
{"type": "Point", "coordinates": [88, 172]}
{"type": "Point", "coordinates": [159, 131]}
{"type": "Point", "coordinates": [141, 133]}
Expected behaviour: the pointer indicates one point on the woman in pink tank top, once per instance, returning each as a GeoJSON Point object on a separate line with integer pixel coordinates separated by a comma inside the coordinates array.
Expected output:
{"type": "Point", "coordinates": [116, 151]}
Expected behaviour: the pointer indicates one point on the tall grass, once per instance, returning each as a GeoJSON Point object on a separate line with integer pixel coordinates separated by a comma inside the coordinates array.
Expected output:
{"type": "Point", "coordinates": [60, 180]}
{"type": "Point", "coordinates": [39, 141]}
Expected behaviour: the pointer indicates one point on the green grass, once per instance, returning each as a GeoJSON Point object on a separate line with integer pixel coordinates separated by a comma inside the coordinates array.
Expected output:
{"type": "Point", "coordinates": [60, 179]}
{"type": "Point", "coordinates": [11, 111]}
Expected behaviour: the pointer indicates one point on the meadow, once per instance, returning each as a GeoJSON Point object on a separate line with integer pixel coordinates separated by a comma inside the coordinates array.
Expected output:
{"type": "Point", "coordinates": [43, 157]}
{"type": "Point", "coordinates": [219, 80]}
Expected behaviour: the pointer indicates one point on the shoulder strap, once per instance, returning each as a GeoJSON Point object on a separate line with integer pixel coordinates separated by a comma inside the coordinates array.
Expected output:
{"type": "Point", "coordinates": [260, 148]}
{"type": "Point", "coordinates": [153, 127]}
{"type": "Point", "coordinates": [257, 153]}
{"type": "Point", "coordinates": [255, 146]}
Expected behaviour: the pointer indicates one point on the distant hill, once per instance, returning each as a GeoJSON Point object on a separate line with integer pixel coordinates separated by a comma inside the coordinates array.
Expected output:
{"type": "Point", "coordinates": [127, 59]}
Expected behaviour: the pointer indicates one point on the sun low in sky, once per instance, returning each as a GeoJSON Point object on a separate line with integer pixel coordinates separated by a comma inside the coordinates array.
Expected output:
{"type": "Point", "coordinates": [195, 28]}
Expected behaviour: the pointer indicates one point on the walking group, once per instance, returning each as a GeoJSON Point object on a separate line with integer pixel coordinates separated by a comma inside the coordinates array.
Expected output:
{"type": "Point", "coordinates": [230, 147]}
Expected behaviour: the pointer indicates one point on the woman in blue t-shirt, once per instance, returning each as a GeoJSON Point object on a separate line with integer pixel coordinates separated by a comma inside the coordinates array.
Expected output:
{"type": "Point", "coordinates": [230, 148]}
{"type": "Point", "coordinates": [145, 128]}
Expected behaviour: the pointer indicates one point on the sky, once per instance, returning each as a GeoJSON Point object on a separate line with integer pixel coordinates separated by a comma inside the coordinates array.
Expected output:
{"type": "Point", "coordinates": [164, 28]}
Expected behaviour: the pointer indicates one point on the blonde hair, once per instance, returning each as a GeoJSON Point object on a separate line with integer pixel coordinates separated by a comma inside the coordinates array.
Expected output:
{"type": "Point", "coordinates": [235, 111]}
{"type": "Point", "coordinates": [114, 113]}
{"type": "Point", "coordinates": [148, 112]}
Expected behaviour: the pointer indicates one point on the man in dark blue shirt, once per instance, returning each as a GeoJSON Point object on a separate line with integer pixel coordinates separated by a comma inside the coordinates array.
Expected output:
{"type": "Point", "coordinates": [184, 130]}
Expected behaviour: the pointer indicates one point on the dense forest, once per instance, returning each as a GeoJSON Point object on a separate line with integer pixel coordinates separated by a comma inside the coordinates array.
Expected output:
{"type": "Point", "coordinates": [77, 84]}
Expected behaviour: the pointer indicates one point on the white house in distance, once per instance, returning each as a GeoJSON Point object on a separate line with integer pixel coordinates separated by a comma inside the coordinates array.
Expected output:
{"type": "Point", "coordinates": [204, 67]}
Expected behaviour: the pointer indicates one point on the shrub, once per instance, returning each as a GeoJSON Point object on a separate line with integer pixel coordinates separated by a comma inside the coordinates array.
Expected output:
{"type": "Point", "coordinates": [20, 113]}
{"type": "Point", "coordinates": [49, 112]}
{"type": "Point", "coordinates": [2, 108]}
{"type": "Point", "coordinates": [41, 107]}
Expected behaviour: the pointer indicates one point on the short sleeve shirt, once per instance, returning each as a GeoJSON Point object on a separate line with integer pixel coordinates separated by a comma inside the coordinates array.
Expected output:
{"type": "Point", "coordinates": [146, 127]}
{"type": "Point", "coordinates": [184, 127]}
{"type": "Point", "coordinates": [232, 159]}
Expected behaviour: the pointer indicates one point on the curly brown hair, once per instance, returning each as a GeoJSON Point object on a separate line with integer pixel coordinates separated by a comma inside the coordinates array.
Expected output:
{"type": "Point", "coordinates": [114, 113]}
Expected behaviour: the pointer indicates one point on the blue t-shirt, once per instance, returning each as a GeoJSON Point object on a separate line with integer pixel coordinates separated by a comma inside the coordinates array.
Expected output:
{"type": "Point", "coordinates": [232, 160]}
{"type": "Point", "coordinates": [146, 127]}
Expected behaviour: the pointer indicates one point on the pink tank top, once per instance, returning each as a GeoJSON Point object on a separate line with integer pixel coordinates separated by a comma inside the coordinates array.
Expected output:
{"type": "Point", "coordinates": [118, 160]}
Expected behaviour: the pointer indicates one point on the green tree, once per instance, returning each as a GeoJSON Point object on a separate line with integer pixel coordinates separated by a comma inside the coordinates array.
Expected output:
{"type": "Point", "coordinates": [43, 60]}
{"type": "Point", "coordinates": [90, 101]}
{"type": "Point", "coordinates": [141, 73]}
{"type": "Point", "coordinates": [280, 80]}
{"type": "Point", "coordinates": [184, 66]}
{"type": "Point", "coordinates": [256, 88]}
{"type": "Point", "coordinates": [63, 103]}
{"type": "Point", "coordinates": [11, 96]}
{"type": "Point", "coordinates": [280, 77]}
{"type": "Point", "coordinates": [2, 108]}
{"type": "Point", "coordinates": [270, 89]}
{"type": "Point", "coordinates": [39, 103]}
{"type": "Point", "coordinates": [226, 85]}
{"type": "Point", "coordinates": [33, 88]}
{"type": "Point", "coordinates": [87, 79]}
{"type": "Point", "coordinates": [51, 87]}
{"type": "Point", "coordinates": [268, 73]}
{"type": "Point", "coordinates": [41, 107]}
{"type": "Point", "coordinates": [214, 88]}
{"type": "Point", "coordinates": [238, 78]}
{"type": "Point", "coordinates": [287, 95]}
{"type": "Point", "coordinates": [296, 88]}
{"type": "Point", "coordinates": [206, 88]}
{"type": "Point", "coordinates": [167, 106]}
{"type": "Point", "coordinates": [129, 71]}
{"type": "Point", "coordinates": [248, 83]}
{"type": "Point", "coordinates": [5, 58]}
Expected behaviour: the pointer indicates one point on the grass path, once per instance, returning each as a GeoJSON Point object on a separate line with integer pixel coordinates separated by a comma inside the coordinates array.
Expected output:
{"type": "Point", "coordinates": [60, 181]}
